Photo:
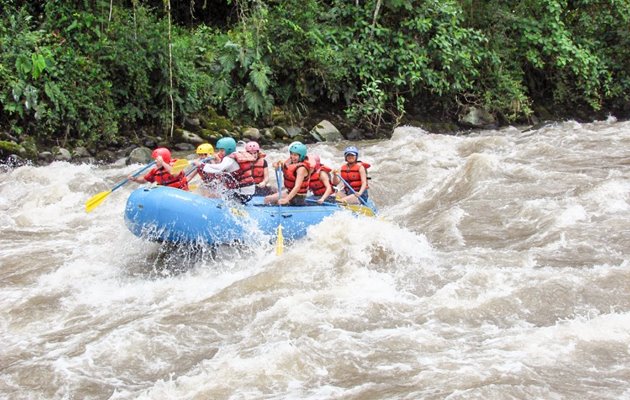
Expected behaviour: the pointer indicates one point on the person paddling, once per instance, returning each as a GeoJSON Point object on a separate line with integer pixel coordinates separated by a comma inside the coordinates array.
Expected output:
{"type": "Point", "coordinates": [296, 172]}
{"type": "Point", "coordinates": [260, 170]}
{"type": "Point", "coordinates": [319, 183]}
{"type": "Point", "coordinates": [205, 153]}
{"type": "Point", "coordinates": [354, 175]}
{"type": "Point", "coordinates": [210, 182]}
{"type": "Point", "coordinates": [162, 174]}
{"type": "Point", "coordinates": [236, 170]}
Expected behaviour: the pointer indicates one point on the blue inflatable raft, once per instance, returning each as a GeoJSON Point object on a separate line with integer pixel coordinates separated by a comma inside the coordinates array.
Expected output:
{"type": "Point", "coordinates": [165, 214]}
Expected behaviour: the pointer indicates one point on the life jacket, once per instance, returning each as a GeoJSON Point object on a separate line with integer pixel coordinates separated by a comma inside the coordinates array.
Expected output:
{"type": "Point", "coordinates": [315, 184]}
{"type": "Point", "coordinates": [350, 173]}
{"type": "Point", "coordinates": [163, 178]}
{"type": "Point", "coordinates": [258, 171]}
{"type": "Point", "coordinates": [244, 175]}
{"type": "Point", "coordinates": [290, 176]}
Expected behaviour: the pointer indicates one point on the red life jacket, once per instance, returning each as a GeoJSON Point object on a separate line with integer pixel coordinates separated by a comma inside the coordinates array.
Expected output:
{"type": "Point", "coordinates": [315, 184]}
{"type": "Point", "coordinates": [244, 176]}
{"type": "Point", "coordinates": [350, 173]}
{"type": "Point", "coordinates": [161, 177]}
{"type": "Point", "coordinates": [290, 176]}
{"type": "Point", "coordinates": [259, 167]}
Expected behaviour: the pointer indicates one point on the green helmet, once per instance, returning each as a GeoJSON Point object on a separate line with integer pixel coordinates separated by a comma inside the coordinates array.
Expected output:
{"type": "Point", "coordinates": [228, 144]}
{"type": "Point", "coordinates": [298, 148]}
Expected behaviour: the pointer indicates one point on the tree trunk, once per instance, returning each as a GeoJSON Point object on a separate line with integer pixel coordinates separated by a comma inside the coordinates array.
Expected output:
{"type": "Point", "coordinates": [167, 3]}
{"type": "Point", "coordinates": [376, 11]}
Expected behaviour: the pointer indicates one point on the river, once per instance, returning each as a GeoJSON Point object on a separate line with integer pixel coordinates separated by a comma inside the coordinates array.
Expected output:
{"type": "Point", "coordinates": [498, 268]}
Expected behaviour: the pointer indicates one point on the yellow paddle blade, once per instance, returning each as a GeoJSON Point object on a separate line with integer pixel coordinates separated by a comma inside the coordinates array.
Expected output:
{"type": "Point", "coordinates": [179, 166]}
{"type": "Point", "coordinates": [95, 200]}
{"type": "Point", "coordinates": [279, 241]}
{"type": "Point", "coordinates": [359, 209]}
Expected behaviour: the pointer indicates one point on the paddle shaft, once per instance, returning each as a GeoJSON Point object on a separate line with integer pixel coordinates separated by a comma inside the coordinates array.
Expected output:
{"type": "Point", "coordinates": [355, 208]}
{"type": "Point", "coordinates": [279, 237]}
{"type": "Point", "coordinates": [98, 198]}
{"type": "Point", "coordinates": [352, 190]}
{"type": "Point", "coordinates": [279, 183]}
{"type": "Point", "coordinates": [138, 172]}
{"type": "Point", "coordinates": [194, 167]}
{"type": "Point", "coordinates": [325, 203]}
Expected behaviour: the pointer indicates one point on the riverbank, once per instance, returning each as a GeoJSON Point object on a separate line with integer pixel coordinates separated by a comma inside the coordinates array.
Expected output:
{"type": "Point", "coordinates": [281, 130]}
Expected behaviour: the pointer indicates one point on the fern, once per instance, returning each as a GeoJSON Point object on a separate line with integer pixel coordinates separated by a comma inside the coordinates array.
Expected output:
{"type": "Point", "coordinates": [229, 58]}
{"type": "Point", "coordinates": [257, 102]}
{"type": "Point", "coordinates": [258, 76]}
{"type": "Point", "coordinates": [246, 58]}
{"type": "Point", "coordinates": [227, 61]}
{"type": "Point", "coordinates": [221, 89]}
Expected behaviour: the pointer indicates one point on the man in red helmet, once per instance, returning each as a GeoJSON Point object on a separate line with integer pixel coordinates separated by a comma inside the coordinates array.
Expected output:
{"type": "Point", "coordinates": [162, 172]}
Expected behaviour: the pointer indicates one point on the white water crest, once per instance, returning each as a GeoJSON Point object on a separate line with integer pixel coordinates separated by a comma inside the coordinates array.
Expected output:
{"type": "Point", "coordinates": [498, 268]}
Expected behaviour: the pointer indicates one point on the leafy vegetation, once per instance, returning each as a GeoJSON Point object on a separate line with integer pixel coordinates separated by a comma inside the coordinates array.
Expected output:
{"type": "Point", "coordinates": [88, 72]}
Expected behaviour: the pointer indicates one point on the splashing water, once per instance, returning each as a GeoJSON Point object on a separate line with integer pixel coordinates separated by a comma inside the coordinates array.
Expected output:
{"type": "Point", "coordinates": [497, 268]}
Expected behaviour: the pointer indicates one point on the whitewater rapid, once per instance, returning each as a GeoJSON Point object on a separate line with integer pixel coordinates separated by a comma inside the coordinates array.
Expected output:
{"type": "Point", "coordinates": [497, 268]}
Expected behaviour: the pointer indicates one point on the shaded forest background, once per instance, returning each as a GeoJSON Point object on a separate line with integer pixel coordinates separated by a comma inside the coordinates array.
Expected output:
{"type": "Point", "coordinates": [97, 73]}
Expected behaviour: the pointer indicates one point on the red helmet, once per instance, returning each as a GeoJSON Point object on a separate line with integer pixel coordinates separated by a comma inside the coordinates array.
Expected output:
{"type": "Point", "coordinates": [163, 152]}
{"type": "Point", "coordinates": [252, 147]}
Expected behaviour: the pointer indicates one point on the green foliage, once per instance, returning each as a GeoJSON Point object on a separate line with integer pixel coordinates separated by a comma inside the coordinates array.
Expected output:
{"type": "Point", "coordinates": [69, 72]}
{"type": "Point", "coordinates": [79, 76]}
{"type": "Point", "coordinates": [242, 82]}
{"type": "Point", "coordinates": [18, 93]}
{"type": "Point", "coordinates": [413, 51]}
{"type": "Point", "coordinates": [369, 104]}
{"type": "Point", "coordinates": [554, 52]}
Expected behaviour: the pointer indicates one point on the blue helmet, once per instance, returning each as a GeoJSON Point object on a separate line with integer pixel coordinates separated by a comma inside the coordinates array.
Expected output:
{"type": "Point", "coordinates": [228, 144]}
{"type": "Point", "coordinates": [298, 148]}
{"type": "Point", "coordinates": [351, 150]}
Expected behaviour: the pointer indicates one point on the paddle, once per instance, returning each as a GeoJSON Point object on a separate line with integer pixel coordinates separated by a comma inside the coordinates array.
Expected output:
{"type": "Point", "coordinates": [351, 189]}
{"type": "Point", "coordinates": [192, 169]}
{"type": "Point", "coordinates": [279, 237]}
{"type": "Point", "coordinates": [179, 166]}
{"type": "Point", "coordinates": [279, 241]}
{"type": "Point", "coordinates": [192, 187]}
{"type": "Point", "coordinates": [97, 199]}
{"type": "Point", "coordinates": [356, 208]}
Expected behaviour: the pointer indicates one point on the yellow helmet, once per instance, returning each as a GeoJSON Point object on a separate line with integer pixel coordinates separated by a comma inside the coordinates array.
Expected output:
{"type": "Point", "coordinates": [205, 148]}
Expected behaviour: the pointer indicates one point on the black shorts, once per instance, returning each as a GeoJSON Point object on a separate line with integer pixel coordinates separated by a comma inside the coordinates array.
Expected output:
{"type": "Point", "coordinates": [264, 191]}
{"type": "Point", "coordinates": [298, 200]}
